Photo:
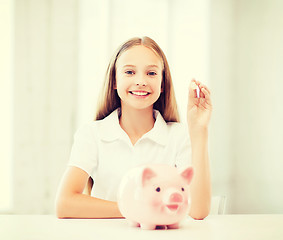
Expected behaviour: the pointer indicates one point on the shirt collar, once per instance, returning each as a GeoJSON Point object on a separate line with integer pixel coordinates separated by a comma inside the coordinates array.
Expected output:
{"type": "Point", "coordinates": [111, 130]}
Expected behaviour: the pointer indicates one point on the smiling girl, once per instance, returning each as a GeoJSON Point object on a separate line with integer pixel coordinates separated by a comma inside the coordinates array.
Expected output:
{"type": "Point", "coordinates": [137, 122]}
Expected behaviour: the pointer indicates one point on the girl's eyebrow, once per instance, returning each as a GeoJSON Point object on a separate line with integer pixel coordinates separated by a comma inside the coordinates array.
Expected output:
{"type": "Point", "coordinates": [128, 66]}
{"type": "Point", "coordinates": [153, 65]}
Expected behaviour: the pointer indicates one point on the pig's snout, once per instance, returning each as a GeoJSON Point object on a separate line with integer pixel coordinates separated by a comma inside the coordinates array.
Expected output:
{"type": "Point", "coordinates": [175, 202]}
{"type": "Point", "coordinates": [176, 198]}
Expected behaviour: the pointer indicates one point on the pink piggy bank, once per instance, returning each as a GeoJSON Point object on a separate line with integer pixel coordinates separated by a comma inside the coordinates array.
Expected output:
{"type": "Point", "coordinates": [155, 195]}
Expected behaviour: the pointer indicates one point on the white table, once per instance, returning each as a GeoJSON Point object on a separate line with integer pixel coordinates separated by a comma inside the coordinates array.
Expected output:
{"type": "Point", "coordinates": [228, 227]}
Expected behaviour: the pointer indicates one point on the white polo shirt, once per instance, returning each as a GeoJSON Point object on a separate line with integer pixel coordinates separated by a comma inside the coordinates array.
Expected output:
{"type": "Point", "coordinates": [104, 150]}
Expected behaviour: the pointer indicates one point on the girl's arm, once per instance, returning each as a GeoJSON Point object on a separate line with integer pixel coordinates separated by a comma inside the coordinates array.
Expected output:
{"type": "Point", "coordinates": [200, 186]}
{"type": "Point", "coordinates": [199, 113]}
{"type": "Point", "coordinates": [72, 203]}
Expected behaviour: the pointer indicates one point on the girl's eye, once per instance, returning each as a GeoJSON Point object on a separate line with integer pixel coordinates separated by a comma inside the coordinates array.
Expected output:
{"type": "Point", "coordinates": [157, 189]}
{"type": "Point", "coordinates": [129, 72]}
{"type": "Point", "coordinates": [152, 73]}
{"type": "Point", "coordinates": [182, 189]}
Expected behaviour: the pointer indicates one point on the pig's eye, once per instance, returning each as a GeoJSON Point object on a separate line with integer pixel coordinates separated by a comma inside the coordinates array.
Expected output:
{"type": "Point", "coordinates": [157, 189]}
{"type": "Point", "coordinates": [183, 189]}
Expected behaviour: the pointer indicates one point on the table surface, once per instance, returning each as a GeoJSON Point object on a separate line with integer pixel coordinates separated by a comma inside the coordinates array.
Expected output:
{"type": "Point", "coordinates": [228, 227]}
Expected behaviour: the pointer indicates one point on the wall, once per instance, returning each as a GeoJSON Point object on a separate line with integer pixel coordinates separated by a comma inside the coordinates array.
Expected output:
{"type": "Point", "coordinates": [6, 101]}
{"type": "Point", "coordinates": [45, 73]}
{"type": "Point", "coordinates": [246, 79]}
{"type": "Point", "coordinates": [222, 62]}
{"type": "Point", "coordinates": [257, 102]}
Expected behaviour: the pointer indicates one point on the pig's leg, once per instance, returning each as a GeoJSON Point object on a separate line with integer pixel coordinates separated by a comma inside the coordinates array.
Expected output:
{"type": "Point", "coordinates": [161, 227]}
{"type": "Point", "coordinates": [148, 226]}
{"type": "Point", "coordinates": [173, 226]}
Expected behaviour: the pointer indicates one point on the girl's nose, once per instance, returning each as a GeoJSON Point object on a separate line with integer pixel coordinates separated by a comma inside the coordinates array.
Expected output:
{"type": "Point", "coordinates": [141, 84]}
{"type": "Point", "coordinates": [140, 81]}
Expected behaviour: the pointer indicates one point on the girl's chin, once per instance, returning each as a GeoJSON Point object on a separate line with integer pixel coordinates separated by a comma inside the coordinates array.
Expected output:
{"type": "Point", "coordinates": [136, 106]}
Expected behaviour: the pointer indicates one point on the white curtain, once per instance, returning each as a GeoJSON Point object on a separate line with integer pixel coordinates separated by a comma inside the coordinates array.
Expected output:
{"type": "Point", "coordinates": [45, 98]}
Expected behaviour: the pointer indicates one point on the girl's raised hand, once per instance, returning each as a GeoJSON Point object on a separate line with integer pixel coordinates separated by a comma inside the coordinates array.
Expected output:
{"type": "Point", "coordinates": [199, 107]}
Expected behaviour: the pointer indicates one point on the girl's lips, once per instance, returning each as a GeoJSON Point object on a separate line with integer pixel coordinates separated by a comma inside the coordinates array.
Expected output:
{"type": "Point", "coordinates": [139, 93]}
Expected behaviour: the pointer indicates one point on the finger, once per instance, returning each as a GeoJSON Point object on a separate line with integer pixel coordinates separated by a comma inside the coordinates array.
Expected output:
{"type": "Point", "coordinates": [206, 95]}
{"type": "Point", "coordinates": [198, 86]}
{"type": "Point", "coordinates": [193, 88]}
{"type": "Point", "coordinates": [202, 95]}
{"type": "Point", "coordinates": [203, 85]}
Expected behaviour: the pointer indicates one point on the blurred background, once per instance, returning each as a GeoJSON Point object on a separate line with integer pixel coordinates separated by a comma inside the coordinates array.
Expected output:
{"type": "Point", "coordinates": [53, 57]}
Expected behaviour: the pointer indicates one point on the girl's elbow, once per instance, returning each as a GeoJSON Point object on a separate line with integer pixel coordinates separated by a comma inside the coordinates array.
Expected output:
{"type": "Point", "coordinates": [200, 214]}
{"type": "Point", "coordinates": [60, 214]}
{"type": "Point", "coordinates": [60, 208]}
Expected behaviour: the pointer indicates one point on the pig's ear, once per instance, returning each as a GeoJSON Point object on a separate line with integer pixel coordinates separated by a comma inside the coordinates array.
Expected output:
{"type": "Point", "coordinates": [187, 174]}
{"type": "Point", "coordinates": [147, 175]}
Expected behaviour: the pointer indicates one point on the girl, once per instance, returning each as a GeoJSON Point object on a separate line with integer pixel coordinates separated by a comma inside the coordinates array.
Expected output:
{"type": "Point", "coordinates": [137, 122]}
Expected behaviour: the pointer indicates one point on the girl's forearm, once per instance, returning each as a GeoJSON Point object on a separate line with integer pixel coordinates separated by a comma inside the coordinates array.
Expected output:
{"type": "Point", "coordinates": [201, 184]}
{"type": "Point", "coordinates": [85, 206]}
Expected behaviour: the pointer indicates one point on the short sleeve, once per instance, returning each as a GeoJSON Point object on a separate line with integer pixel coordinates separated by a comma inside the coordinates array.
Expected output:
{"type": "Point", "coordinates": [183, 158]}
{"type": "Point", "coordinates": [84, 150]}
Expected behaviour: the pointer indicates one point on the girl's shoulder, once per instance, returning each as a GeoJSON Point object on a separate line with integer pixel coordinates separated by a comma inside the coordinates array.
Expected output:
{"type": "Point", "coordinates": [87, 130]}
{"type": "Point", "coordinates": [98, 128]}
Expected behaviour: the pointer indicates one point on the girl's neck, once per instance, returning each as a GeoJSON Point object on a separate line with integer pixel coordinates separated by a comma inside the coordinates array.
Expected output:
{"type": "Point", "coordinates": [136, 122]}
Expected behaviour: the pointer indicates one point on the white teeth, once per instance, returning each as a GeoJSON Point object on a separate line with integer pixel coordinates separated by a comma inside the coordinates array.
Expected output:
{"type": "Point", "coordinates": [140, 93]}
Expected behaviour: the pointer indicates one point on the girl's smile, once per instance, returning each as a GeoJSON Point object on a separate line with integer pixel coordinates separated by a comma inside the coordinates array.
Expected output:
{"type": "Point", "coordinates": [139, 94]}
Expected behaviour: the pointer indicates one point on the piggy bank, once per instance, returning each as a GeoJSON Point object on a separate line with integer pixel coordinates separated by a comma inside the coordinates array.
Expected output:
{"type": "Point", "coordinates": [155, 195]}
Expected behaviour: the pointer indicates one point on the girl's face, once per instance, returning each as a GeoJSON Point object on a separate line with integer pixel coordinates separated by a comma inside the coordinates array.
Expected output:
{"type": "Point", "coordinates": [138, 77]}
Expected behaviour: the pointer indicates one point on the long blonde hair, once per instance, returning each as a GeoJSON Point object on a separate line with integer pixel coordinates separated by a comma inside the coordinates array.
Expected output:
{"type": "Point", "coordinates": [109, 100]}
